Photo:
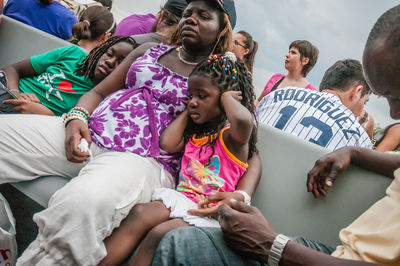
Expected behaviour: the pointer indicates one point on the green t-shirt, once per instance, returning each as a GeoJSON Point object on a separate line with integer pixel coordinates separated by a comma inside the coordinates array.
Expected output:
{"type": "Point", "coordinates": [57, 86]}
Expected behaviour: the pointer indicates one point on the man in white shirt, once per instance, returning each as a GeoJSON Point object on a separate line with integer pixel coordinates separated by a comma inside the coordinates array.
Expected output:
{"type": "Point", "coordinates": [326, 118]}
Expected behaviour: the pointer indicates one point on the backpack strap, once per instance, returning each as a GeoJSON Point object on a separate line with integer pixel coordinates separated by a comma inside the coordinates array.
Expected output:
{"type": "Point", "coordinates": [276, 84]}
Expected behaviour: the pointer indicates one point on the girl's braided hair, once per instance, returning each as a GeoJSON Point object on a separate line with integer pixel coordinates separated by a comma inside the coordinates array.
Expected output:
{"type": "Point", "coordinates": [88, 65]}
{"type": "Point", "coordinates": [227, 74]}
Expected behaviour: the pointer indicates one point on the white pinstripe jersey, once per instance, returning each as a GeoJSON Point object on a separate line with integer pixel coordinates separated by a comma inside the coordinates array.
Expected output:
{"type": "Point", "coordinates": [318, 117]}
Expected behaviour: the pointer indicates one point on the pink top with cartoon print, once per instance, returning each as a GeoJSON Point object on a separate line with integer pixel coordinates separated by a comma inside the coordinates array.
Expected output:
{"type": "Point", "coordinates": [275, 78]}
{"type": "Point", "coordinates": [220, 175]}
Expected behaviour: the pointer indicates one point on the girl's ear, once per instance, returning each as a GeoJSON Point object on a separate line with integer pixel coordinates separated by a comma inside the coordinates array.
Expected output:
{"type": "Point", "coordinates": [104, 37]}
{"type": "Point", "coordinates": [305, 61]}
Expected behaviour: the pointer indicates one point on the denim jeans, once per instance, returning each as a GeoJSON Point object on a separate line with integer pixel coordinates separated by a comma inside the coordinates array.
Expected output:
{"type": "Point", "coordinates": [197, 246]}
{"type": "Point", "coordinates": [313, 244]}
{"type": "Point", "coordinates": [206, 246]}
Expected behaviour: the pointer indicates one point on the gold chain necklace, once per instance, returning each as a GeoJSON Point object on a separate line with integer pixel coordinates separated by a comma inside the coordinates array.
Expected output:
{"type": "Point", "coordinates": [179, 49]}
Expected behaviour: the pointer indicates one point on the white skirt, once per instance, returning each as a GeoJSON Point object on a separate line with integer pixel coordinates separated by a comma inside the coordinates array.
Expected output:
{"type": "Point", "coordinates": [179, 204]}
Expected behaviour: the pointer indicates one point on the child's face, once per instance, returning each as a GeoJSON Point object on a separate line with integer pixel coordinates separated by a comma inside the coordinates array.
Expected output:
{"type": "Point", "coordinates": [204, 99]}
{"type": "Point", "coordinates": [110, 60]}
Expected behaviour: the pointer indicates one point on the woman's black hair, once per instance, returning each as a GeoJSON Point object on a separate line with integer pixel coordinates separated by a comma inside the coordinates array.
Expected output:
{"type": "Point", "coordinates": [88, 65]}
{"type": "Point", "coordinates": [227, 75]}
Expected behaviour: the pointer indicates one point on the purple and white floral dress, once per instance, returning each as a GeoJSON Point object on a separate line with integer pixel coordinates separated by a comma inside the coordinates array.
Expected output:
{"type": "Point", "coordinates": [132, 119]}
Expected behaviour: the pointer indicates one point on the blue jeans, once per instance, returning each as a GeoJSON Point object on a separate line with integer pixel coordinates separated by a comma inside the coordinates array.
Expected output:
{"type": "Point", "coordinates": [205, 246]}
{"type": "Point", "coordinates": [313, 244]}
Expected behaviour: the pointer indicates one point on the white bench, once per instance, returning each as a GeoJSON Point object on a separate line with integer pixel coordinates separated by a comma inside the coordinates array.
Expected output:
{"type": "Point", "coordinates": [19, 41]}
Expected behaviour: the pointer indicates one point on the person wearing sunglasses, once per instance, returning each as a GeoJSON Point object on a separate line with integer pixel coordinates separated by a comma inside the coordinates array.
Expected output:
{"type": "Point", "coordinates": [245, 49]}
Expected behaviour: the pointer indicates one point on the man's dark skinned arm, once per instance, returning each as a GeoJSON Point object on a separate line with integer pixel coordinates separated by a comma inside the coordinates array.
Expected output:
{"type": "Point", "coordinates": [248, 233]}
{"type": "Point", "coordinates": [327, 169]}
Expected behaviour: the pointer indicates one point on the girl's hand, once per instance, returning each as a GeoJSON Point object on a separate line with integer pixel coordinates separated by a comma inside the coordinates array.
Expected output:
{"type": "Point", "coordinates": [208, 206]}
{"type": "Point", "coordinates": [237, 95]}
{"type": "Point", "coordinates": [29, 97]}
{"type": "Point", "coordinates": [74, 131]}
{"type": "Point", "coordinates": [28, 107]}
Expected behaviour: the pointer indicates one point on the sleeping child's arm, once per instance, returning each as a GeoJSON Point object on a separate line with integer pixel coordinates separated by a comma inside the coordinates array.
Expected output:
{"type": "Point", "coordinates": [17, 71]}
{"type": "Point", "coordinates": [171, 139]}
{"type": "Point", "coordinates": [28, 107]}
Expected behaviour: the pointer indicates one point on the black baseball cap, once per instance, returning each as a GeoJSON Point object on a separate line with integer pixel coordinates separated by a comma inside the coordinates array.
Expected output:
{"type": "Point", "coordinates": [228, 6]}
{"type": "Point", "coordinates": [176, 7]}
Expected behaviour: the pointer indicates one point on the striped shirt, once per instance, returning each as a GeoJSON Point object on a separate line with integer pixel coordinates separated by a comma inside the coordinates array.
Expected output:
{"type": "Point", "coordinates": [318, 117]}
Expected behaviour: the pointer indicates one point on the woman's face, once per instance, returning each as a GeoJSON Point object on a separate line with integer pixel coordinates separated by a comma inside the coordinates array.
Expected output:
{"type": "Point", "coordinates": [239, 47]}
{"type": "Point", "coordinates": [292, 61]}
{"type": "Point", "coordinates": [111, 59]}
{"type": "Point", "coordinates": [199, 26]}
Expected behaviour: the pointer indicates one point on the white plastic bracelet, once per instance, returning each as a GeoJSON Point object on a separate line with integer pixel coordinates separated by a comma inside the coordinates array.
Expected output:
{"type": "Point", "coordinates": [73, 118]}
{"type": "Point", "coordinates": [247, 198]}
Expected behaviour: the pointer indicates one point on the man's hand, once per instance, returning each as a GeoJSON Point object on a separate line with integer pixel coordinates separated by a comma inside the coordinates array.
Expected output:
{"type": "Point", "coordinates": [246, 231]}
{"type": "Point", "coordinates": [208, 206]}
{"type": "Point", "coordinates": [327, 169]}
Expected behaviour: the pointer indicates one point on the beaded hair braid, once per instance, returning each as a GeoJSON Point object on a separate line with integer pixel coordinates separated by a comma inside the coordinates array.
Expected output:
{"type": "Point", "coordinates": [88, 65]}
{"type": "Point", "coordinates": [227, 74]}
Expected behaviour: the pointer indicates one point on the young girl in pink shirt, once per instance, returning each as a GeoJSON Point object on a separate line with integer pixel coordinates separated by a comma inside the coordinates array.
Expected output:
{"type": "Point", "coordinates": [217, 134]}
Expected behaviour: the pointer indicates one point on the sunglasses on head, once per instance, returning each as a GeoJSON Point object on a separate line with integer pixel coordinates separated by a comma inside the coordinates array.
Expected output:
{"type": "Point", "coordinates": [237, 43]}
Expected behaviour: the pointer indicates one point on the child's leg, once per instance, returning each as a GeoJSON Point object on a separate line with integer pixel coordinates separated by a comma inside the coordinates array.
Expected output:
{"type": "Point", "coordinates": [145, 254]}
{"type": "Point", "coordinates": [128, 235]}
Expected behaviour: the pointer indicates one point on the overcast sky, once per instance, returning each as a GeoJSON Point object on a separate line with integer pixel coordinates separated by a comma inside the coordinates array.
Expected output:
{"type": "Point", "coordinates": [339, 28]}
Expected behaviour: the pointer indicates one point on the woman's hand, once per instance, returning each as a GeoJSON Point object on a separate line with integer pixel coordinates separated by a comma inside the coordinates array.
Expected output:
{"type": "Point", "coordinates": [29, 97]}
{"type": "Point", "coordinates": [208, 206]}
{"type": "Point", "coordinates": [74, 131]}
